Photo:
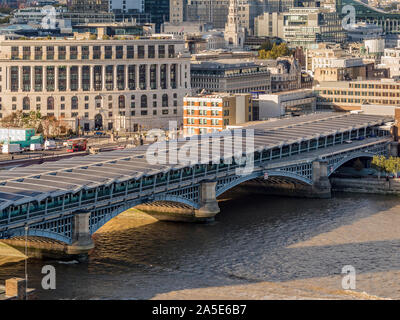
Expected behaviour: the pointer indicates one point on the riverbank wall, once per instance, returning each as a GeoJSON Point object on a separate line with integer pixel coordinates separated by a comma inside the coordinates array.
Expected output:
{"type": "Point", "coordinates": [366, 185]}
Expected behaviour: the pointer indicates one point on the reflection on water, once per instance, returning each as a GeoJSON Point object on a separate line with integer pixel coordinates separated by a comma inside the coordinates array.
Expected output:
{"type": "Point", "coordinates": [260, 247]}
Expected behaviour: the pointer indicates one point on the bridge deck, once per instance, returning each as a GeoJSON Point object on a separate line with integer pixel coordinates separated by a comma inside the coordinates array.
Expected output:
{"type": "Point", "coordinates": [22, 185]}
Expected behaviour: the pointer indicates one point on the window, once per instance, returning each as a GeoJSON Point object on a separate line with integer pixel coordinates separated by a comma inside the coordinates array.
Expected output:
{"type": "Point", "coordinates": [141, 52]}
{"type": "Point", "coordinates": [165, 100]}
{"type": "Point", "coordinates": [62, 52]}
{"type": "Point", "coordinates": [121, 102]}
{"type": "Point", "coordinates": [26, 104]}
{"type": "Point", "coordinates": [85, 52]}
{"type": "Point", "coordinates": [38, 53]}
{"type": "Point", "coordinates": [161, 51]}
{"type": "Point", "coordinates": [26, 53]}
{"type": "Point", "coordinates": [108, 52]}
{"type": "Point", "coordinates": [96, 52]}
{"type": "Point", "coordinates": [50, 103]}
{"type": "Point", "coordinates": [74, 103]}
{"type": "Point", "coordinates": [119, 52]}
{"type": "Point", "coordinates": [73, 53]}
{"type": "Point", "coordinates": [130, 52]}
{"type": "Point", "coordinates": [152, 52]}
{"type": "Point", "coordinates": [14, 53]}
{"type": "Point", "coordinates": [143, 101]}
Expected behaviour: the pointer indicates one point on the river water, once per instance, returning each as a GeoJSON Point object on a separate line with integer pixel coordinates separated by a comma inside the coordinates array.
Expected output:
{"type": "Point", "coordinates": [260, 247]}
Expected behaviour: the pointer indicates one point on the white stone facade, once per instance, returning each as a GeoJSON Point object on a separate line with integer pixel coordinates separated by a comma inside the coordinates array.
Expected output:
{"type": "Point", "coordinates": [123, 84]}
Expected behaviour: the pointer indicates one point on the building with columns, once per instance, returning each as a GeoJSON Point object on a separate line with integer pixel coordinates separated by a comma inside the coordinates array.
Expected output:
{"type": "Point", "coordinates": [100, 84]}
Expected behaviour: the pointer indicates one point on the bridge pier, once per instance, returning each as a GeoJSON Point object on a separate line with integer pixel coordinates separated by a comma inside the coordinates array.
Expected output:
{"type": "Point", "coordinates": [393, 149]}
{"type": "Point", "coordinates": [321, 187]}
{"type": "Point", "coordinates": [82, 241]}
{"type": "Point", "coordinates": [208, 202]}
{"type": "Point", "coordinates": [168, 211]}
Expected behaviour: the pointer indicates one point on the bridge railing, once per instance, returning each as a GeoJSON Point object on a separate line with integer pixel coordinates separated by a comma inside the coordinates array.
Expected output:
{"type": "Point", "coordinates": [85, 198]}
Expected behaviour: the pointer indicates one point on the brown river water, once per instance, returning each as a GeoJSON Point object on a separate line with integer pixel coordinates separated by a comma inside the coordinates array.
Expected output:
{"type": "Point", "coordinates": [260, 247]}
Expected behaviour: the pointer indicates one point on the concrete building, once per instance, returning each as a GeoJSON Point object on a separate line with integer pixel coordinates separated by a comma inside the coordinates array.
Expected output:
{"type": "Point", "coordinates": [364, 31]}
{"type": "Point", "coordinates": [296, 102]}
{"type": "Point", "coordinates": [285, 74]}
{"type": "Point", "coordinates": [208, 113]}
{"type": "Point", "coordinates": [109, 84]}
{"type": "Point", "coordinates": [177, 11]}
{"type": "Point", "coordinates": [117, 6]}
{"type": "Point", "coordinates": [306, 27]}
{"type": "Point", "coordinates": [391, 60]}
{"type": "Point", "coordinates": [269, 24]}
{"type": "Point", "coordinates": [351, 95]}
{"type": "Point", "coordinates": [214, 12]}
{"type": "Point", "coordinates": [231, 76]}
{"type": "Point", "coordinates": [362, 71]}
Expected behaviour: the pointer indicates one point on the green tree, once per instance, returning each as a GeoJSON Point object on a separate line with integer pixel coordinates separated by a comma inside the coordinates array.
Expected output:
{"type": "Point", "coordinates": [280, 50]}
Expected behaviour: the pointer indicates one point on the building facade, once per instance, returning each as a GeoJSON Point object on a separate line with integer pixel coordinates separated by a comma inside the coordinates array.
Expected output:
{"type": "Point", "coordinates": [231, 76]}
{"type": "Point", "coordinates": [296, 102]}
{"type": "Point", "coordinates": [100, 84]}
{"type": "Point", "coordinates": [208, 113]}
{"type": "Point", "coordinates": [351, 95]}
{"type": "Point", "coordinates": [306, 27]}
{"type": "Point", "coordinates": [269, 24]}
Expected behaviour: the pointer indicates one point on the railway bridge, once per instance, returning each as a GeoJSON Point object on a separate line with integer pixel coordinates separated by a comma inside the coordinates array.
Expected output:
{"type": "Point", "coordinates": [69, 200]}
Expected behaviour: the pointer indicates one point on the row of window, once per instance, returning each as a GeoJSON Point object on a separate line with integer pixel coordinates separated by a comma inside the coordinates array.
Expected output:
{"type": "Point", "coordinates": [53, 78]}
{"type": "Point", "coordinates": [350, 100]}
{"type": "Point", "coordinates": [374, 86]}
{"type": "Point", "coordinates": [132, 113]}
{"type": "Point", "coordinates": [92, 52]}
{"type": "Point", "coordinates": [214, 122]}
{"type": "Point", "coordinates": [50, 103]}
{"type": "Point", "coordinates": [361, 93]}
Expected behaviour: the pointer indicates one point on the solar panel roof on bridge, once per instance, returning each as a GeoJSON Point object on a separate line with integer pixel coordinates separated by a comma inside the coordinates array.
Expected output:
{"type": "Point", "coordinates": [70, 175]}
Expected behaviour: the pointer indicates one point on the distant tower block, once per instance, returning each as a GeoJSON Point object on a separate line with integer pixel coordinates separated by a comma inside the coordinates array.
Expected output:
{"type": "Point", "coordinates": [234, 32]}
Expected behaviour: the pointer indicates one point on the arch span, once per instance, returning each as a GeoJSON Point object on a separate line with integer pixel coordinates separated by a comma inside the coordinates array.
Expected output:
{"type": "Point", "coordinates": [348, 158]}
{"type": "Point", "coordinates": [41, 233]}
{"type": "Point", "coordinates": [258, 174]}
{"type": "Point", "coordinates": [97, 222]}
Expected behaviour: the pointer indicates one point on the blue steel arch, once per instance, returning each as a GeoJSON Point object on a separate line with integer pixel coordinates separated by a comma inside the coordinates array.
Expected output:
{"type": "Point", "coordinates": [40, 233]}
{"type": "Point", "coordinates": [347, 159]}
{"type": "Point", "coordinates": [176, 199]}
{"type": "Point", "coordinates": [258, 174]}
{"type": "Point", "coordinates": [107, 217]}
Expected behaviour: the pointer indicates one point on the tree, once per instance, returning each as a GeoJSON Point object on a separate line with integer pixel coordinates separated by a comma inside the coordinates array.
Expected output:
{"type": "Point", "coordinates": [281, 50]}
{"type": "Point", "coordinates": [387, 165]}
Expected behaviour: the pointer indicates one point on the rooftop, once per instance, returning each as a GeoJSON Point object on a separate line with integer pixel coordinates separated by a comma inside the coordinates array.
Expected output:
{"type": "Point", "coordinates": [38, 182]}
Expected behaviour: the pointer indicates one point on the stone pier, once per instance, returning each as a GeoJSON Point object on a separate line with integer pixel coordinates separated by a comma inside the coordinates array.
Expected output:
{"type": "Point", "coordinates": [82, 241]}
{"type": "Point", "coordinates": [393, 149]}
{"type": "Point", "coordinates": [321, 187]}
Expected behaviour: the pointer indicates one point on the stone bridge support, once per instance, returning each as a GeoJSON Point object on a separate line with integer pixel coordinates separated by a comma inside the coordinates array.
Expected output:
{"type": "Point", "coordinates": [208, 202]}
{"type": "Point", "coordinates": [82, 241]}
{"type": "Point", "coordinates": [321, 187]}
{"type": "Point", "coordinates": [393, 149]}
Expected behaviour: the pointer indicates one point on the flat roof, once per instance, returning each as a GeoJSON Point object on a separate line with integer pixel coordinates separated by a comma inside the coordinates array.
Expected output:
{"type": "Point", "coordinates": [36, 182]}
